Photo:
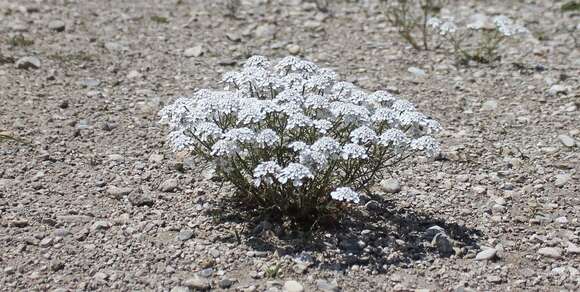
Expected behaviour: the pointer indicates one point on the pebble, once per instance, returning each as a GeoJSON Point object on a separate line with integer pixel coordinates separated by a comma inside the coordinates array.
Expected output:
{"type": "Point", "coordinates": [225, 283]}
{"type": "Point", "coordinates": [489, 105]}
{"type": "Point", "coordinates": [572, 248]}
{"type": "Point", "coordinates": [486, 255]}
{"type": "Point", "coordinates": [196, 282]}
{"type": "Point", "coordinates": [567, 140]}
{"type": "Point", "coordinates": [118, 193]}
{"type": "Point", "coordinates": [90, 83]}
{"type": "Point", "coordinates": [390, 185]}
{"type": "Point", "coordinates": [134, 74]}
{"type": "Point", "coordinates": [20, 223]}
{"type": "Point", "coordinates": [100, 225]}
{"type": "Point", "coordinates": [561, 220]}
{"type": "Point", "coordinates": [156, 158]}
{"type": "Point", "coordinates": [140, 200]}
{"type": "Point", "coordinates": [557, 89]}
{"type": "Point", "coordinates": [562, 179]}
{"type": "Point", "coordinates": [57, 25]}
{"type": "Point", "coordinates": [28, 63]}
{"type": "Point", "coordinates": [169, 185]}
{"type": "Point", "coordinates": [46, 242]}
{"type": "Point", "coordinates": [184, 235]}
{"type": "Point", "coordinates": [265, 31]}
{"type": "Point", "coordinates": [326, 286]}
{"type": "Point", "coordinates": [443, 244]}
{"type": "Point", "coordinates": [551, 252]}
{"type": "Point", "coordinates": [293, 49]}
{"type": "Point", "coordinates": [180, 289]}
{"type": "Point", "coordinates": [193, 51]}
{"type": "Point", "coordinates": [293, 286]}
{"type": "Point", "coordinates": [416, 71]}
{"type": "Point", "coordinates": [494, 279]}
{"type": "Point", "coordinates": [115, 47]}
{"type": "Point", "coordinates": [432, 231]}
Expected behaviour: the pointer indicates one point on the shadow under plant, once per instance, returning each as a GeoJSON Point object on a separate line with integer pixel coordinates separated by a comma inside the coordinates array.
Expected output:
{"type": "Point", "coordinates": [378, 235]}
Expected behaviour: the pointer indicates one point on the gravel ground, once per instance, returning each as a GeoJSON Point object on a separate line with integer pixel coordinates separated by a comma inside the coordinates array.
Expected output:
{"type": "Point", "coordinates": [98, 202]}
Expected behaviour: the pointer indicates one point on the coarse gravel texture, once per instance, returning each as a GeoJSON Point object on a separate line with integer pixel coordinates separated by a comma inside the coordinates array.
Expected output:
{"type": "Point", "coordinates": [97, 201]}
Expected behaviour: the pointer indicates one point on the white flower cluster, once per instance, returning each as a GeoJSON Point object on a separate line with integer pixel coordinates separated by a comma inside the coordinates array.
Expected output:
{"type": "Point", "coordinates": [502, 24]}
{"type": "Point", "coordinates": [291, 127]}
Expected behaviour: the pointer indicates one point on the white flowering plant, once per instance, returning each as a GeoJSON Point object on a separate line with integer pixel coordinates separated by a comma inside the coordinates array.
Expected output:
{"type": "Point", "coordinates": [291, 137]}
{"type": "Point", "coordinates": [478, 41]}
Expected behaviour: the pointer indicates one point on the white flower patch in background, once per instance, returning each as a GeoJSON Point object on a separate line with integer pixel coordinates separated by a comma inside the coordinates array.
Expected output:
{"type": "Point", "coordinates": [290, 134]}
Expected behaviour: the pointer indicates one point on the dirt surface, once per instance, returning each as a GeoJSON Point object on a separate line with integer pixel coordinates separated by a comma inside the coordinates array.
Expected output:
{"type": "Point", "coordinates": [97, 201]}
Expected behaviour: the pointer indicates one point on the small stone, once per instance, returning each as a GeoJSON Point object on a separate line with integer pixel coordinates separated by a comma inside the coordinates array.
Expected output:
{"type": "Point", "coordinates": [265, 31]}
{"type": "Point", "coordinates": [562, 220]}
{"type": "Point", "coordinates": [115, 47]}
{"type": "Point", "coordinates": [196, 282]}
{"type": "Point", "coordinates": [234, 37]}
{"type": "Point", "coordinates": [293, 286]}
{"type": "Point", "coordinates": [480, 190]}
{"type": "Point", "coordinates": [326, 286]}
{"type": "Point", "coordinates": [28, 63]}
{"type": "Point", "coordinates": [443, 244]}
{"type": "Point", "coordinates": [494, 279]}
{"type": "Point", "coordinates": [46, 242]}
{"type": "Point", "coordinates": [9, 270]}
{"type": "Point", "coordinates": [61, 232]}
{"type": "Point", "coordinates": [390, 185]}
{"type": "Point", "coordinates": [416, 71]}
{"type": "Point", "coordinates": [100, 225]}
{"type": "Point", "coordinates": [156, 158]}
{"type": "Point", "coordinates": [486, 255]}
{"type": "Point", "coordinates": [169, 185]}
{"type": "Point", "coordinates": [225, 283]}
{"type": "Point", "coordinates": [489, 105]}
{"type": "Point", "coordinates": [293, 49]}
{"type": "Point", "coordinates": [57, 25]}
{"type": "Point", "coordinates": [551, 252]}
{"type": "Point", "coordinates": [432, 231]}
{"type": "Point", "coordinates": [140, 200]}
{"type": "Point", "coordinates": [194, 51]}
{"type": "Point", "coordinates": [134, 74]}
{"type": "Point", "coordinates": [562, 179]}
{"type": "Point", "coordinates": [557, 89]}
{"type": "Point", "coordinates": [184, 235]}
{"type": "Point", "coordinates": [56, 266]}
{"type": "Point", "coordinates": [567, 140]}
{"type": "Point", "coordinates": [20, 223]}
{"type": "Point", "coordinates": [118, 193]}
{"type": "Point", "coordinates": [572, 248]}
{"type": "Point", "coordinates": [180, 289]}
{"type": "Point", "coordinates": [90, 83]}
{"type": "Point", "coordinates": [100, 276]}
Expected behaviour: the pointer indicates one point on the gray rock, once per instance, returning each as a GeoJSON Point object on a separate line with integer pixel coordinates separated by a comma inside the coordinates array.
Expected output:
{"type": "Point", "coordinates": [551, 252]}
{"type": "Point", "coordinates": [180, 289]}
{"type": "Point", "coordinates": [46, 242]}
{"type": "Point", "coordinates": [225, 283]}
{"type": "Point", "coordinates": [293, 49]}
{"type": "Point", "coordinates": [572, 248]}
{"type": "Point", "coordinates": [169, 185]}
{"type": "Point", "coordinates": [494, 279]}
{"type": "Point", "coordinates": [156, 158]}
{"type": "Point", "coordinates": [57, 25]}
{"type": "Point", "coordinates": [56, 266]}
{"type": "Point", "coordinates": [489, 105]}
{"type": "Point", "coordinates": [28, 63]}
{"type": "Point", "coordinates": [185, 235]}
{"type": "Point", "coordinates": [140, 200]}
{"type": "Point", "coordinates": [193, 52]}
{"type": "Point", "coordinates": [196, 282]}
{"type": "Point", "coordinates": [390, 185]}
{"type": "Point", "coordinates": [265, 31]}
{"type": "Point", "coordinates": [443, 244]}
{"type": "Point", "coordinates": [134, 74]}
{"type": "Point", "coordinates": [100, 225]}
{"type": "Point", "coordinates": [115, 47]}
{"type": "Point", "coordinates": [562, 179]}
{"type": "Point", "coordinates": [61, 232]}
{"type": "Point", "coordinates": [206, 273]}
{"type": "Point", "coordinates": [118, 193]}
{"type": "Point", "coordinates": [567, 140]}
{"type": "Point", "coordinates": [416, 71]}
{"type": "Point", "coordinates": [557, 89]}
{"type": "Point", "coordinates": [90, 83]}
{"type": "Point", "coordinates": [486, 255]}
{"type": "Point", "coordinates": [561, 220]}
{"type": "Point", "coordinates": [293, 286]}
{"type": "Point", "coordinates": [326, 286]}
{"type": "Point", "coordinates": [432, 231]}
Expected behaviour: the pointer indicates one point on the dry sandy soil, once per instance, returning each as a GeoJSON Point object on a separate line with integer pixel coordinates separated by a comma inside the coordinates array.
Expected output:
{"type": "Point", "coordinates": [97, 201]}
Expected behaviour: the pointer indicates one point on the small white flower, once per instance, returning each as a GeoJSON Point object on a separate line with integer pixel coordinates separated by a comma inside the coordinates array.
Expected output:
{"type": "Point", "coordinates": [353, 151]}
{"type": "Point", "coordinates": [506, 27]}
{"type": "Point", "coordinates": [298, 120]}
{"type": "Point", "coordinates": [313, 158]}
{"type": "Point", "coordinates": [240, 135]}
{"type": "Point", "coordinates": [363, 135]}
{"type": "Point", "coordinates": [402, 105]}
{"type": "Point", "coordinates": [382, 97]}
{"type": "Point", "coordinates": [351, 113]}
{"type": "Point", "coordinates": [267, 137]}
{"type": "Point", "coordinates": [426, 144]}
{"type": "Point", "coordinates": [205, 131]}
{"type": "Point", "coordinates": [257, 61]}
{"type": "Point", "coordinates": [326, 145]}
{"type": "Point", "coordinates": [179, 141]}
{"type": "Point", "coordinates": [297, 146]}
{"type": "Point", "coordinates": [225, 148]}
{"type": "Point", "coordinates": [344, 194]}
{"type": "Point", "coordinates": [265, 172]}
{"type": "Point", "coordinates": [393, 137]}
{"type": "Point", "coordinates": [295, 173]}
{"type": "Point", "coordinates": [322, 126]}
